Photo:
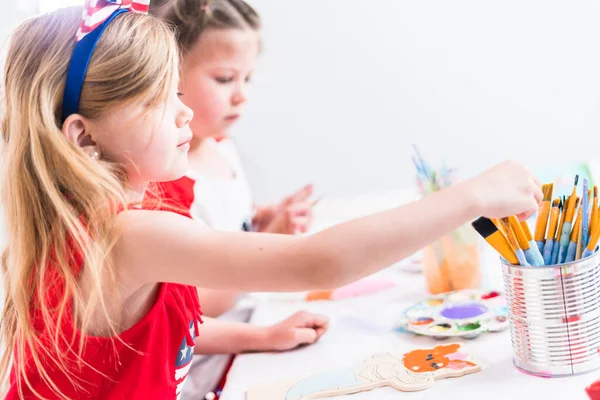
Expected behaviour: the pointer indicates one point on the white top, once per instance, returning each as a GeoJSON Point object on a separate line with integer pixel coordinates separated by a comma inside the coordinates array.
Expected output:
{"type": "Point", "coordinates": [224, 204]}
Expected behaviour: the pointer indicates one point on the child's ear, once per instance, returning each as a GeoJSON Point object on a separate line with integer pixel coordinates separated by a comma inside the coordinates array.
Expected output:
{"type": "Point", "coordinates": [76, 129]}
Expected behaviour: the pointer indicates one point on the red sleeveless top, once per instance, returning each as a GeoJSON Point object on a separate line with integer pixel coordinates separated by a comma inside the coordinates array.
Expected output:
{"type": "Point", "coordinates": [154, 366]}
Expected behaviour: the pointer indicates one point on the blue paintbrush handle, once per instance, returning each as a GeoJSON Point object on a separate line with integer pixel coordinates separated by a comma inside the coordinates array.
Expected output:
{"type": "Point", "coordinates": [540, 245]}
{"type": "Point", "coordinates": [587, 253]}
{"type": "Point", "coordinates": [535, 255]}
{"type": "Point", "coordinates": [548, 251]}
{"type": "Point", "coordinates": [564, 242]}
{"type": "Point", "coordinates": [521, 257]}
{"type": "Point", "coordinates": [571, 252]}
{"type": "Point", "coordinates": [555, 252]}
{"type": "Point", "coordinates": [531, 260]}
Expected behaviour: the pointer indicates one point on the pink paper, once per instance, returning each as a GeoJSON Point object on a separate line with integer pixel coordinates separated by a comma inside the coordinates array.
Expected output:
{"type": "Point", "coordinates": [361, 288]}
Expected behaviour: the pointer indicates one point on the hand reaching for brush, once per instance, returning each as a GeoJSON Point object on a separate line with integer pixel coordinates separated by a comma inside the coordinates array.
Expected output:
{"type": "Point", "coordinates": [507, 189]}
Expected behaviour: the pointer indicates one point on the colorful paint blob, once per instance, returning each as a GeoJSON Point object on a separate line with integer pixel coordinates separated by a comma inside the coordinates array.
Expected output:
{"type": "Point", "coordinates": [489, 295]}
{"type": "Point", "coordinates": [440, 328]}
{"type": "Point", "coordinates": [434, 302]}
{"type": "Point", "coordinates": [468, 326]}
{"type": "Point", "coordinates": [464, 311]}
{"type": "Point", "coordinates": [421, 321]}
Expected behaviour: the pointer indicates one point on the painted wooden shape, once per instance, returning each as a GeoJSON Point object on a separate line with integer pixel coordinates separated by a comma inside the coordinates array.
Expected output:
{"type": "Point", "coordinates": [413, 371]}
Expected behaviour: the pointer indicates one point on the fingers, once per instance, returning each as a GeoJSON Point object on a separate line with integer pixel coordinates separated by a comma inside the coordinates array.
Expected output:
{"type": "Point", "coordinates": [526, 214]}
{"type": "Point", "coordinates": [303, 319]}
{"type": "Point", "coordinates": [300, 217]}
{"type": "Point", "coordinates": [303, 194]}
{"type": "Point", "coordinates": [310, 326]}
{"type": "Point", "coordinates": [300, 224]}
{"type": "Point", "coordinates": [305, 336]}
{"type": "Point", "coordinates": [538, 195]}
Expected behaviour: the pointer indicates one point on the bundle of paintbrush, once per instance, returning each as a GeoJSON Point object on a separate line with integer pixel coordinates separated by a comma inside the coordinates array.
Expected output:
{"type": "Point", "coordinates": [430, 180]}
{"type": "Point", "coordinates": [566, 229]}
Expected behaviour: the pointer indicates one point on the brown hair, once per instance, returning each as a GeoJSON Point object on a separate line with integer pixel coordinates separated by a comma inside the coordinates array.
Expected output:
{"type": "Point", "coordinates": [192, 17]}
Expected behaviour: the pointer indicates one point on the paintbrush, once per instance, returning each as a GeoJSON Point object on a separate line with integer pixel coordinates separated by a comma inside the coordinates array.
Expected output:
{"type": "Point", "coordinates": [556, 247]}
{"type": "Point", "coordinates": [489, 231]}
{"type": "Point", "coordinates": [585, 215]}
{"type": "Point", "coordinates": [579, 248]}
{"type": "Point", "coordinates": [594, 211]}
{"type": "Point", "coordinates": [593, 242]}
{"type": "Point", "coordinates": [316, 201]}
{"type": "Point", "coordinates": [534, 252]}
{"type": "Point", "coordinates": [552, 226]}
{"type": "Point", "coordinates": [543, 213]}
{"type": "Point", "coordinates": [572, 249]}
{"type": "Point", "coordinates": [514, 242]}
{"type": "Point", "coordinates": [524, 243]}
{"type": "Point", "coordinates": [566, 228]}
{"type": "Point", "coordinates": [499, 225]}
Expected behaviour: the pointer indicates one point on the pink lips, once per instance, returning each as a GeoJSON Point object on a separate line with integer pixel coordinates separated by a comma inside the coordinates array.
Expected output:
{"type": "Point", "coordinates": [232, 117]}
{"type": "Point", "coordinates": [185, 143]}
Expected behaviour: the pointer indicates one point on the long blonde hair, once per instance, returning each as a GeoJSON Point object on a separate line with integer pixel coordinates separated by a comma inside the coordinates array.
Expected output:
{"type": "Point", "coordinates": [57, 200]}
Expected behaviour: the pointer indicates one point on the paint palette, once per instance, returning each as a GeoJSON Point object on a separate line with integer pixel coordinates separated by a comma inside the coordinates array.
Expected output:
{"type": "Point", "coordinates": [464, 313]}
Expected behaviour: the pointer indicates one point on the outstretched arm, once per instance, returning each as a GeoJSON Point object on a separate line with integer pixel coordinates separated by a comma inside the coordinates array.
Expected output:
{"type": "Point", "coordinates": [165, 247]}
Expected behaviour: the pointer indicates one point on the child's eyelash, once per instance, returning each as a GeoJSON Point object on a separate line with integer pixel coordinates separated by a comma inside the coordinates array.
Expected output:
{"type": "Point", "coordinates": [179, 94]}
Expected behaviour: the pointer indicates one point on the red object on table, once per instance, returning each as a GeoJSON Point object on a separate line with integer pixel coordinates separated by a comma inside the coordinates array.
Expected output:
{"type": "Point", "coordinates": [593, 391]}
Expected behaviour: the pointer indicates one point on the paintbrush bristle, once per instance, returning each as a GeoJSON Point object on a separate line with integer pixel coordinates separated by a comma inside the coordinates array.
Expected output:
{"type": "Point", "coordinates": [576, 180]}
{"type": "Point", "coordinates": [595, 191]}
{"type": "Point", "coordinates": [556, 203]}
{"type": "Point", "coordinates": [484, 226]}
{"type": "Point", "coordinates": [549, 190]}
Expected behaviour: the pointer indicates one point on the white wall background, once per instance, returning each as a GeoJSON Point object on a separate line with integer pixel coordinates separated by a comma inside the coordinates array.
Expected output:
{"type": "Point", "coordinates": [345, 86]}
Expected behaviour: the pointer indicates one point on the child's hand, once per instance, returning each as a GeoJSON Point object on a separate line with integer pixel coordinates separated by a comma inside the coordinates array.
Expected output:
{"type": "Point", "coordinates": [293, 215]}
{"type": "Point", "coordinates": [301, 328]}
{"type": "Point", "coordinates": [507, 189]}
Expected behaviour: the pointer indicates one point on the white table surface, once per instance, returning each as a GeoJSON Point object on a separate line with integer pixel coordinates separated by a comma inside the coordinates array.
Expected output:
{"type": "Point", "coordinates": [362, 326]}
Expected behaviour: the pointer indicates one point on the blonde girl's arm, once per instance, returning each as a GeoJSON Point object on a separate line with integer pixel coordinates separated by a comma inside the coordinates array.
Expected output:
{"type": "Point", "coordinates": [165, 247]}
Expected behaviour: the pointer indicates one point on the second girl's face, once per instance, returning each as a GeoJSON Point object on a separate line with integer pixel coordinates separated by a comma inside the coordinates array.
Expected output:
{"type": "Point", "coordinates": [215, 78]}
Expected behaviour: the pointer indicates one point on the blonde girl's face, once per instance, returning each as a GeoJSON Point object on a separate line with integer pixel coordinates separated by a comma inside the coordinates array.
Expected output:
{"type": "Point", "coordinates": [215, 77]}
{"type": "Point", "coordinates": [150, 141]}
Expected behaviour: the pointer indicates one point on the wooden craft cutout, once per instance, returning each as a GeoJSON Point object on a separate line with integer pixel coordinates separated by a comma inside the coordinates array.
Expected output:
{"type": "Point", "coordinates": [413, 371]}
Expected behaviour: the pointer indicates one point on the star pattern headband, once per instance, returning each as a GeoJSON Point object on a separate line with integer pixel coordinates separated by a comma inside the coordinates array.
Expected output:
{"type": "Point", "coordinates": [97, 15]}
